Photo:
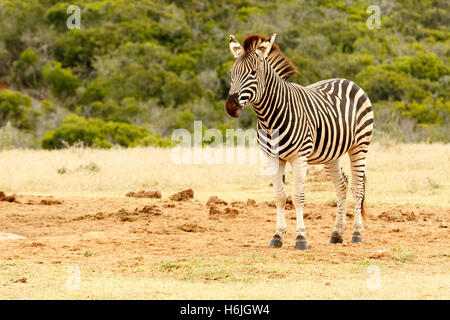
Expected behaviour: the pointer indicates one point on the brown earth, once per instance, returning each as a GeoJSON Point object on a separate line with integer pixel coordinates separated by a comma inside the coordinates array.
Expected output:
{"type": "Point", "coordinates": [144, 194]}
{"type": "Point", "coordinates": [136, 232]}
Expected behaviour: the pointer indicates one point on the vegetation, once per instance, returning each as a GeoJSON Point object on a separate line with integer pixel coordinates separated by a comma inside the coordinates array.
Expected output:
{"type": "Point", "coordinates": [136, 70]}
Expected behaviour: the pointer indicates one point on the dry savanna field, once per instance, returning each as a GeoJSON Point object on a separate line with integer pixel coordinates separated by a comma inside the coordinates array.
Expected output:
{"type": "Point", "coordinates": [81, 237]}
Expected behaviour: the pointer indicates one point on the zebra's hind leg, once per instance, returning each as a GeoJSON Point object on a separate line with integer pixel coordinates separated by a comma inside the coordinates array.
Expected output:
{"type": "Point", "coordinates": [277, 171]}
{"type": "Point", "coordinates": [340, 181]}
{"type": "Point", "coordinates": [299, 166]}
{"type": "Point", "coordinates": [358, 164]}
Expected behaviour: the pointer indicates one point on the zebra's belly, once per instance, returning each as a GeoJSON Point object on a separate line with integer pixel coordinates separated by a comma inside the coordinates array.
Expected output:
{"type": "Point", "coordinates": [326, 155]}
{"type": "Point", "coordinates": [318, 151]}
{"type": "Point", "coordinates": [330, 145]}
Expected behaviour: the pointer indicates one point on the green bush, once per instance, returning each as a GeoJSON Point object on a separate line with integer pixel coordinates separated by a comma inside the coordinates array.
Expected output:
{"type": "Point", "coordinates": [27, 70]}
{"type": "Point", "coordinates": [100, 134]}
{"type": "Point", "coordinates": [382, 84]}
{"type": "Point", "coordinates": [63, 83]}
{"type": "Point", "coordinates": [15, 108]}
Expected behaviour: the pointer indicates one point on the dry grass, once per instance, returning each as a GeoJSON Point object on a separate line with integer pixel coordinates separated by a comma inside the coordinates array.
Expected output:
{"type": "Point", "coordinates": [417, 174]}
{"type": "Point", "coordinates": [232, 261]}
{"type": "Point", "coordinates": [283, 280]}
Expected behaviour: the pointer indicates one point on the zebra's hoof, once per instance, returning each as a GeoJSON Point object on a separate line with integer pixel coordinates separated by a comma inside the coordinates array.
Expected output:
{"type": "Point", "coordinates": [276, 242]}
{"type": "Point", "coordinates": [336, 237]}
{"type": "Point", "coordinates": [356, 237]}
{"type": "Point", "coordinates": [301, 243]}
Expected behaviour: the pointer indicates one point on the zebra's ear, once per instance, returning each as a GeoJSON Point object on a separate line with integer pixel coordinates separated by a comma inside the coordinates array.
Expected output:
{"type": "Point", "coordinates": [235, 47]}
{"type": "Point", "coordinates": [264, 48]}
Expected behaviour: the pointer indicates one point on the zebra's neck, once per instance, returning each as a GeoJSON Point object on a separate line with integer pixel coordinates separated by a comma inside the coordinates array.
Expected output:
{"type": "Point", "coordinates": [278, 97]}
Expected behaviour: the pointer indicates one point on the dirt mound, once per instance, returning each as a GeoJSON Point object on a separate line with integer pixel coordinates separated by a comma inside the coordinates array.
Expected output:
{"type": "Point", "coordinates": [97, 216]}
{"type": "Point", "coordinates": [145, 212]}
{"type": "Point", "coordinates": [191, 227]}
{"type": "Point", "coordinates": [228, 211]}
{"type": "Point", "coordinates": [397, 215]}
{"type": "Point", "coordinates": [183, 195]}
{"type": "Point", "coordinates": [50, 202]}
{"type": "Point", "coordinates": [4, 197]}
{"type": "Point", "coordinates": [213, 200]}
{"type": "Point", "coordinates": [144, 194]}
{"type": "Point", "coordinates": [268, 204]}
{"type": "Point", "coordinates": [251, 203]}
{"type": "Point", "coordinates": [238, 204]}
{"type": "Point", "coordinates": [312, 215]}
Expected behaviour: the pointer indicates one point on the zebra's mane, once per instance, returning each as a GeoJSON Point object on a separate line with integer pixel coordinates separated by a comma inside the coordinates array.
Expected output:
{"type": "Point", "coordinates": [280, 64]}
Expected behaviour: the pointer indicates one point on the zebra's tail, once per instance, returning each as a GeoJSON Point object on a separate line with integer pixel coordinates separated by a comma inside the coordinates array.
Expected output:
{"type": "Point", "coordinates": [363, 207]}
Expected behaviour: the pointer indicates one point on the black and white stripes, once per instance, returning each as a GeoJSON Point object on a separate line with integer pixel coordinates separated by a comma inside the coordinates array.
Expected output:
{"type": "Point", "coordinates": [317, 124]}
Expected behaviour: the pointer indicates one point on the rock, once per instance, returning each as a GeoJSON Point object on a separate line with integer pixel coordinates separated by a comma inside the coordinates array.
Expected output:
{"type": "Point", "coordinates": [213, 200]}
{"type": "Point", "coordinates": [191, 227]}
{"type": "Point", "coordinates": [183, 195]}
{"type": "Point", "coordinates": [150, 209]}
{"type": "Point", "coordinates": [231, 211]}
{"type": "Point", "coordinates": [49, 202]}
{"type": "Point", "coordinates": [270, 204]}
{"type": "Point", "coordinates": [213, 210]}
{"type": "Point", "coordinates": [4, 197]}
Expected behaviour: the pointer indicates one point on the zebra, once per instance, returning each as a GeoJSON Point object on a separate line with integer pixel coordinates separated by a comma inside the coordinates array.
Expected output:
{"type": "Point", "coordinates": [315, 124]}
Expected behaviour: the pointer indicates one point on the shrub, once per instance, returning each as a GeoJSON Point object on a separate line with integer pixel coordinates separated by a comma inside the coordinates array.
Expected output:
{"type": "Point", "coordinates": [63, 83]}
{"type": "Point", "coordinates": [15, 108]}
{"type": "Point", "coordinates": [27, 70]}
{"type": "Point", "coordinates": [100, 134]}
{"type": "Point", "coordinates": [427, 66]}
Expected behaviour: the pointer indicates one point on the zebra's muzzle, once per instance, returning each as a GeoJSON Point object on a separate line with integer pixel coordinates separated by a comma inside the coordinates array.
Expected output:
{"type": "Point", "coordinates": [232, 105]}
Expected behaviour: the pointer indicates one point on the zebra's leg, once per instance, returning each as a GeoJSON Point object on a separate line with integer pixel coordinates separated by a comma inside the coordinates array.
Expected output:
{"type": "Point", "coordinates": [358, 164]}
{"type": "Point", "coordinates": [340, 181]}
{"type": "Point", "coordinates": [299, 166]}
{"type": "Point", "coordinates": [277, 167]}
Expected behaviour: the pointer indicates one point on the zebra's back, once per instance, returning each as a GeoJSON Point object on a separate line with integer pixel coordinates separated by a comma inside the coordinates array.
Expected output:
{"type": "Point", "coordinates": [343, 118]}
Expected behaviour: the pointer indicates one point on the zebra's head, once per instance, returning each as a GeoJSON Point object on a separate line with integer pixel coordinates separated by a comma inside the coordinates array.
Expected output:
{"type": "Point", "coordinates": [248, 72]}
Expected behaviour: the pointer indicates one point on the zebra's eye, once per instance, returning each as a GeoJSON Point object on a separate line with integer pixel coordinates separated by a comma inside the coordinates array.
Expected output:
{"type": "Point", "coordinates": [253, 73]}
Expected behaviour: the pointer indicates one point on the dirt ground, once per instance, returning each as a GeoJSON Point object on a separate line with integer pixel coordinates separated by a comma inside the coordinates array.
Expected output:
{"type": "Point", "coordinates": [120, 236]}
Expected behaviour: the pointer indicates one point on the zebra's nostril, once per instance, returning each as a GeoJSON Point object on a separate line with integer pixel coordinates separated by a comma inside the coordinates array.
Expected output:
{"type": "Point", "coordinates": [233, 98]}
{"type": "Point", "coordinates": [233, 106]}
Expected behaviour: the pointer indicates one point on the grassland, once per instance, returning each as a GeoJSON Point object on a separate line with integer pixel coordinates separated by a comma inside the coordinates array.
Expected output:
{"type": "Point", "coordinates": [398, 174]}
{"type": "Point", "coordinates": [185, 253]}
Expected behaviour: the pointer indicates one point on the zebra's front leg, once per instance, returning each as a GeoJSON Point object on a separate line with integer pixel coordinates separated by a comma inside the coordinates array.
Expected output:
{"type": "Point", "coordinates": [340, 181]}
{"type": "Point", "coordinates": [277, 167]}
{"type": "Point", "coordinates": [299, 166]}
